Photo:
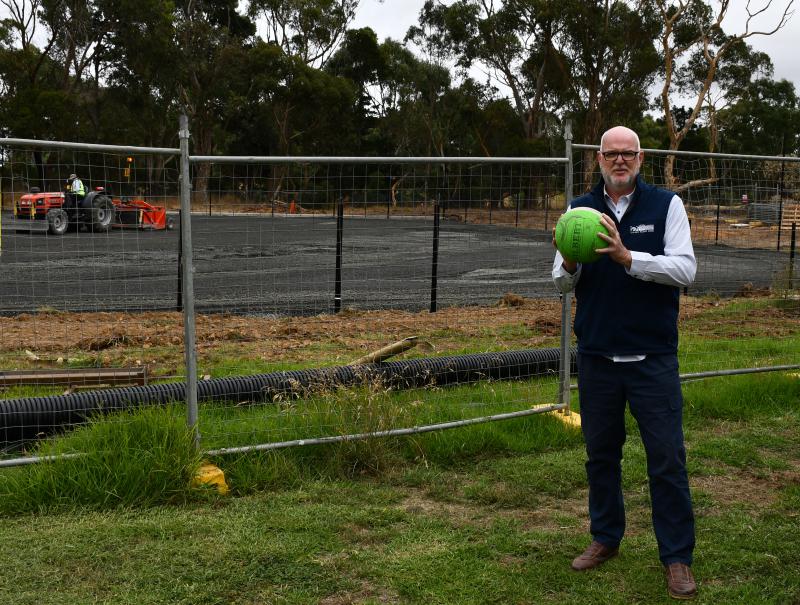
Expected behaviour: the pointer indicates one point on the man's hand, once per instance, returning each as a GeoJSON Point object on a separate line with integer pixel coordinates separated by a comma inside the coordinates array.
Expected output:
{"type": "Point", "coordinates": [570, 265]}
{"type": "Point", "coordinates": [616, 250]}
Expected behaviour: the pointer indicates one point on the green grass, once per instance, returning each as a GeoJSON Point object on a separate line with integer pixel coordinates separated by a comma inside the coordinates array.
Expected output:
{"type": "Point", "coordinates": [740, 398]}
{"type": "Point", "coordinates": [489, 514]}
{"type": "Point", "coordinates": [141, 458]}
{"type": "Point", "coordinates": [367, 408]}
{"type": "Point", "coordinates": [15, 392]}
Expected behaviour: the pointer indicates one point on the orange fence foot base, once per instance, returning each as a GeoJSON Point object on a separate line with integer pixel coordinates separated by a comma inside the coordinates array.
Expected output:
{"type": "Point", "coordinates": [210, 476]}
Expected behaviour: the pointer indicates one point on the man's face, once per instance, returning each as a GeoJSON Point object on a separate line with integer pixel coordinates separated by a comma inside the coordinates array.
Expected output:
{"type": "Point", "coordinates": [619, 173]}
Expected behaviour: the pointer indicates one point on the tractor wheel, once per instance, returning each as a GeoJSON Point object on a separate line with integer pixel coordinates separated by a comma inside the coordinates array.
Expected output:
{"type": "Point", "coordinates": [101, 214]}
{"type": "Point", "coordinates": [57, 221]}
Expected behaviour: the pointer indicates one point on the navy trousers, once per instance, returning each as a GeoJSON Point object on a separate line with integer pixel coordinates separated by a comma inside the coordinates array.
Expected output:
{"type": "Point", "coordinates": [652, 388]}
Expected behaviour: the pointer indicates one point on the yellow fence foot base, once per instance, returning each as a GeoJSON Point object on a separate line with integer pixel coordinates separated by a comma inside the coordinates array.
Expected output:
{"type": "Point", "coordinates": [210, 476]}
{"type": "Point", "coordinates": [573, 419]}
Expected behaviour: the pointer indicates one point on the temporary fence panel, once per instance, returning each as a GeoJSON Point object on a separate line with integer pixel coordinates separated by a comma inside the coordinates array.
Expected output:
{"type": "Point", "coordinates": [319, 261]}
{"type": "Point", "coordinates": [337, 239]}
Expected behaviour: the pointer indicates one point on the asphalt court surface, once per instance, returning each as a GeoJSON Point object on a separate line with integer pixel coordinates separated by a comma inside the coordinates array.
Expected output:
{"type": "Point", "coordinates": [286, 265]}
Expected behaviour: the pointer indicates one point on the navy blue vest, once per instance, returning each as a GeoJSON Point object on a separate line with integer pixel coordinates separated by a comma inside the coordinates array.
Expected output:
{"type": "Point", "coordinates": [618, 314]}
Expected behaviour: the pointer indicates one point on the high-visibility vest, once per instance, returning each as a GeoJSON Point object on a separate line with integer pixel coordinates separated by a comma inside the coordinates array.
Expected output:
{"type": "Point", "coordinates": [77, 188]}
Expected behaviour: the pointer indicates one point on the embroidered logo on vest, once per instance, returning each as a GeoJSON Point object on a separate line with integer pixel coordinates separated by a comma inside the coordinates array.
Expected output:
{"type": "Point", "coordinates": [643, 229]}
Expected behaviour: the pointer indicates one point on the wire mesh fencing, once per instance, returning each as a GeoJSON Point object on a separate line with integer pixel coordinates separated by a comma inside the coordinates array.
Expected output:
{"type": "Point", "coordinates": [314, 237]}
{"type": "Point", "coordinates": [338, 298]}
{"type": "Point", "coordinates": [336, 258]}
{"type": "Point", "coordinates": [89, 275]}
{"type": "Point", "coordinates": [295, 264]}
{"type": "Point", "coordinates": [104, 250]}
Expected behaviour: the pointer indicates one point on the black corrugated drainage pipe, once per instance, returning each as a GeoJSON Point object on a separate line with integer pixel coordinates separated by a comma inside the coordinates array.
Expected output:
{"type": "Point", "coordinates": [27, 418]}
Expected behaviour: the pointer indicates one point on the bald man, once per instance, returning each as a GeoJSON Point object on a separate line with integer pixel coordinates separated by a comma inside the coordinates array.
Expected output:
{"type": "Point", "coordinates": [626, 323]}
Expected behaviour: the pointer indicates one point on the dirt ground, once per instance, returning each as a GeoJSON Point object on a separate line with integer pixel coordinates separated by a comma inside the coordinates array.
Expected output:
{"type": "Point", "coordinates": [156, 338]}
{"type": "Point", "coordinates": [52, 339]}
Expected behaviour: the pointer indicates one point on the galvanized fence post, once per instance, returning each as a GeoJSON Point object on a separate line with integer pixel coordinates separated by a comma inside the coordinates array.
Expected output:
{"type": "Point", "coordinates": [179, 304]}
{"type": "Point", "coordinates": [566, 298]}
{"type": "Point", "coordinates": [190, 351]}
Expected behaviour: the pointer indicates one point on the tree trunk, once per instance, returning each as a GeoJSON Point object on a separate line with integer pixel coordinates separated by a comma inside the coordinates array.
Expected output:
{"type": "Point", "coordinates": [203, 141]}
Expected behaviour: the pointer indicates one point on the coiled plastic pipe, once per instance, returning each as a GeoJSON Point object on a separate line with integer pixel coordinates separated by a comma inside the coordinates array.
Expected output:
{"type": "Point", "coordinates": [28, 418]}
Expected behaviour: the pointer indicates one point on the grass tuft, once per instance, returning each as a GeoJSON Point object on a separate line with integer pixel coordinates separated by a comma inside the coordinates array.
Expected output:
{"type": "Point", "coordinates": [140, 458]}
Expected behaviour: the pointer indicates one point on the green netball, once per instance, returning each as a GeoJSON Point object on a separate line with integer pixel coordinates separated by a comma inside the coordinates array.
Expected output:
{"type": "Point", "coordinates": [577, 234]}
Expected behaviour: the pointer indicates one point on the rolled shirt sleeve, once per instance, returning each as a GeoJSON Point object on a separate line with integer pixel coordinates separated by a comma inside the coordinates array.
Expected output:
{"type": "Point", "coordinates": [564, 280]}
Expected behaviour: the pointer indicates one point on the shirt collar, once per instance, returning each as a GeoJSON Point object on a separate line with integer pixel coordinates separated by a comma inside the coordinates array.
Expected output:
{"type": "Point", "coordinates": [625, 199]}
{"type": "Point", "coordinates": [621, 207]}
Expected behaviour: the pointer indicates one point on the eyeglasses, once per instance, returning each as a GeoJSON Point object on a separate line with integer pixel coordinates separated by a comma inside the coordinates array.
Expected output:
{"type": "Point", "coordinates": [627, 155]}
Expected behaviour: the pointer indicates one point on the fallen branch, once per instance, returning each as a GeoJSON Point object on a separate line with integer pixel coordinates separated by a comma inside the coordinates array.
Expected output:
{"type": "Point", "coordinates": [387, 351]}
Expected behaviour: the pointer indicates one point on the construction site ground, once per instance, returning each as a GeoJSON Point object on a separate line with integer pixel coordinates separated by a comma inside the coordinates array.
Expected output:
{"type": "Point", "coordinates": [155, 339]}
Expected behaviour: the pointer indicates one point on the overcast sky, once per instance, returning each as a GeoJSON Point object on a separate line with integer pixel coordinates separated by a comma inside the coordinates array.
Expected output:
{"type": "Point", "coordinates": [392, 18]}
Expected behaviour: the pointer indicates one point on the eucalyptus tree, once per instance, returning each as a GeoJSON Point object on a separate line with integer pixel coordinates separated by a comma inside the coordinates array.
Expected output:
{"type": "Point", "coordinates": [764, 120]}
{"type": "Point", "coordinates": [607, 61]}
{"type": "Point", "coordinates": [694, 47]}
{"type": "Point", "coordinates": [145, 78]}
{"type": "Point", "coordinates": [42, 66]}
{"type": "Point", "coordinates": [78, 39]}
{"type": "Point", "coordinates": [42, 72]}
{"type": "Point", "coordinates": [547, 54]}
{"type": "Point", "coordinates": [360, 61]}
{"type": "Point", "coordinates": [205, 32]}
{"type": "Point", "coordinates": [309, 29]}
{"type": "Point", "coordinates": [279, 105]}
{"type": "Point", "coordinates": [735, 71]}
{"type": "Point", "coordinates": [592, 60]}
{"type": "Point", "coordinates": [511, 41]}
{"type": "Point", "coordinates": [21, 21]}
{"type": "Point", "coordinates": [400, 95]}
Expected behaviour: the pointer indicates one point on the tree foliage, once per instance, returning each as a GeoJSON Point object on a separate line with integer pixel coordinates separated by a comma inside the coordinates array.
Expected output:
{"type": "Point", "coordinates": [309, 29]}
{"type": "Point", "coordinates": [696, 49]}
{"type": "Point", "coordinates": [472, 77]}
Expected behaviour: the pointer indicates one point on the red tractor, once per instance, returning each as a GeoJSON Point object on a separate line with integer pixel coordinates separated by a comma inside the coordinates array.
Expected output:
{"type": "Point", "coordinates": [97, 211]}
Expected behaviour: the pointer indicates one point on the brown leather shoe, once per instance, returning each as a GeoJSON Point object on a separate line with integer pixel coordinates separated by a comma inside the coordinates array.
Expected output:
{"type": "Point", "coordinates": [680, 581]}
{"type": "Point", "coordinates": [596, 554]}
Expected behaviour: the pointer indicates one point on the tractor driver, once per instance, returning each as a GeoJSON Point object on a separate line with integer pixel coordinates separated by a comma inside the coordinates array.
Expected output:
{"type": "Point", "coordinates": [75, 191]}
